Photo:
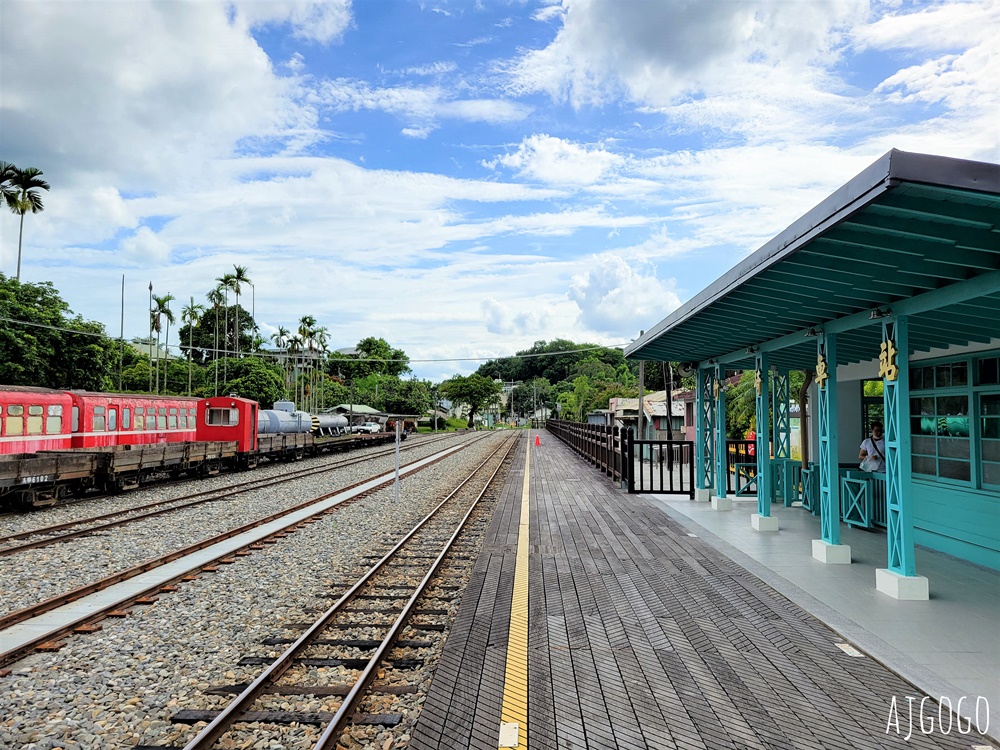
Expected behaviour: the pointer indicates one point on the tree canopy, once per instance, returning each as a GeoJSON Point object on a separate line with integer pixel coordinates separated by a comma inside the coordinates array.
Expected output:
{"type": "Point", "coordinates": [474, 391]}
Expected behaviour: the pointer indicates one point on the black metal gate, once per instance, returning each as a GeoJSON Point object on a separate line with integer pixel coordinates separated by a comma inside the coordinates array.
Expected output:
{"type": "Point", "coordinates": [663, 467]}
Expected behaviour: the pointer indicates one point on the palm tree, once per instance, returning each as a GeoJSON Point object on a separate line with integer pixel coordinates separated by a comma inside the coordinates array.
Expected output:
{"type": "Point", "coordinates": [216, 299]}
{"type": "Point", "coordinates": [161, 310]}
{"type": "Point", "coordinates": [295, 342]}
{"type": "Point", "coordinates": [321, 336]}
{"type": "Point", "coordinates": [21, 191]}
{"type": "Point", "coordinates": [191, 314]}
{"type": "Point", "coordinates": [225, 284]}
{"type": "Point", "coordinates": [280, 340]}
{"type": "Point", "coordinates": [238, 278]}
{"type": "Point", "coordinates": [307, 326]}
{"type": "Point", "coordinates": [7, 173]}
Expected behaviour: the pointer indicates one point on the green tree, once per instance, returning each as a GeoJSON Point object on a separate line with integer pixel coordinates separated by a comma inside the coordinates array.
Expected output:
{"type": "Point", "coordinates": [253, 378]}
{"type": "Point", "coordinates": [161, 311]}
{"type": "Point", "coordinates": [474, 391]}
{"type": "Point", "coordinates": [375, 356]}
{"type": "Point", "coordinates": [21, 192]}
{"type": "Point", "coordinates": [43, 344]}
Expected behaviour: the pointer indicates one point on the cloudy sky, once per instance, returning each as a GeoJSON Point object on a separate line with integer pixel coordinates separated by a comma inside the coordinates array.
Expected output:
{"type": "Point", "coordinates": [461, 178]}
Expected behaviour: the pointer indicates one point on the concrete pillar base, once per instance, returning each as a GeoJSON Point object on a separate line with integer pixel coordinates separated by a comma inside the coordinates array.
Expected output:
{"type": "Point", "coordinates": [763, 523]}
{"type": "Point", "coordinates": [702, 495]}
{"type": "Point", "coordinates": [722, 503]}
{"type": "Point", "coordinates": [906, 588]}
{"type": "Point", "coordinates": [831, 554]}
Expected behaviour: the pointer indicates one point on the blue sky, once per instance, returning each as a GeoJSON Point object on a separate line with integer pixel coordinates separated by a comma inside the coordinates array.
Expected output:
{"type": "Point", "coordinates": [461, 178]}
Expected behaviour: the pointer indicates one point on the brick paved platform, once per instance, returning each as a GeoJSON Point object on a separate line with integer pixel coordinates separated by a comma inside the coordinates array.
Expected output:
{"type": "Point", "coordinates": [642, 635]}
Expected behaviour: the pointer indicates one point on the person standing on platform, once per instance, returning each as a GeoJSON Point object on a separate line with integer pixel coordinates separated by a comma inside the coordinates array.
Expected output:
{"type": "Point", "coordinates": [872, 453]}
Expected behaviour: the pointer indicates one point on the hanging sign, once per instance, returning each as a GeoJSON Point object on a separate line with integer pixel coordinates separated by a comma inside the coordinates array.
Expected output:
{"type": "Point", "coordinates": [887, 367]}
{"type": "Point", "coordinates": [821, 374]}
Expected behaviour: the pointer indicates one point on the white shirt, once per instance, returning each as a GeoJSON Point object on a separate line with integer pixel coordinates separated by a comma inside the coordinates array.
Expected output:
{"type": "Point", "coordinates": [869, 447]}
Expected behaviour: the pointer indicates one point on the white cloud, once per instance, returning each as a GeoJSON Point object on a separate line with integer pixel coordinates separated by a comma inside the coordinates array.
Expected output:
{"type": "Point", "coordinates": [619, 298]}
{"type": "Point", "coordinates": [145, 248]}
{"type": "Point", "coordinates": [419, 105]}
{"type": "Point", "coordinates": [557, 161]}
{"type": "Point", "coordinates": [500, 319]}
{"type": "Point", "coordinates": [323, 21]}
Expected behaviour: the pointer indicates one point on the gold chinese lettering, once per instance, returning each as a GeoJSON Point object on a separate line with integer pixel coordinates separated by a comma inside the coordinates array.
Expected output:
{"type": "Point", "coordinates": [821, 373]}
{"type": "Point", "coordinates": [887, 367]}
{"type": "Point", "coordinates": [716, 389]}
{"type": "Point", "coordinates": [758, 382]}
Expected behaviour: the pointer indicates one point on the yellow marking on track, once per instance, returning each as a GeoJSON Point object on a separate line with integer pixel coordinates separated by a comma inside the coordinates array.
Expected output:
{"type": "Point", "coordinates": [515, 689]}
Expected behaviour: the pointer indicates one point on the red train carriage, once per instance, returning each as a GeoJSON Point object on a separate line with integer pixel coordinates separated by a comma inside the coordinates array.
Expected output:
{"type": "Point", "coordinates": [228, 418]}
{"type": "Point", "coordinates": [101, 419]}
{"type": "Point", "coordinates": [33, 419]}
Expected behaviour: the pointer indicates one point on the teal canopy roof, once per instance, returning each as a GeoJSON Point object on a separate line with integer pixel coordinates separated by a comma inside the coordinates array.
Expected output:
{"type": "Point", "coordinates": [913, 234]}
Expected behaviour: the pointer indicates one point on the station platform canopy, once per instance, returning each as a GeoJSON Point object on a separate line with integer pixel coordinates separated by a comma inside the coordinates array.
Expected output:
{"type": "Point", "coordinates": [913, 234]}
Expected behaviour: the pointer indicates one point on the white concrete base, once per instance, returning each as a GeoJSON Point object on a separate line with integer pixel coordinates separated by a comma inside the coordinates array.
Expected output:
{"type": "Point", "coordinates": [831, 554]}
{"type": "Point", "coordinates": [763, 523]}
{"type": "Point", "coordinates": [702, 496]}
{"type": "Point", "coordinates": [906, 588]}
{"type": "Point", "coordinates": [722, 503]}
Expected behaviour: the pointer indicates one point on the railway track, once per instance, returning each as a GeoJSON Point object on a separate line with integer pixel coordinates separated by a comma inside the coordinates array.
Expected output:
{"type": "Point", "coordinates": [384, 599]}
{"type": "Point", "coordinates": [63, 532]}
{"type": "Point", "coordinates": [201, 557]}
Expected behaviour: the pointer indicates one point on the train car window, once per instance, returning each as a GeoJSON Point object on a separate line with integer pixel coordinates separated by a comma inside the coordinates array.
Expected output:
{"type": "Point", "coordinates": [150, 421]}
{"type": "Point", "coordinates": [53, 425]}
{"type": "Point", "coordinates": [163, 411]}
{"type": "Point", "coordinates": [99, 420]}
{"type": "Point", "coordinates": [35, 420]}
{"type": "Point", "coordinates": [161, 423]}
{"type": "Point", "coordinates": [192, 412]}
{"type": "Point", "coordinates": [171, 422]}
{"type": "Point", "coordinates": [222, 417]}
{"type": "Point", "coordinates": [183, 421]}
{"type": "Point", "coordinates": [126, 418]}
{"type": "Point", "coordinates": [15, 422]}
{"type": "Point", "coordinates": [139, 411]}
{"type": "Point", "coordinates": [76, 419]}
{"type": "Point", "coordinates": [173, 410]}
{"type": "Point", "coordinates": [112, 420]}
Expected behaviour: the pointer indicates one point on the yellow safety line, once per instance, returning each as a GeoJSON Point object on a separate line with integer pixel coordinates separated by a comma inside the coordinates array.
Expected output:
{"type": "Point", "coordinates": [515, 689]}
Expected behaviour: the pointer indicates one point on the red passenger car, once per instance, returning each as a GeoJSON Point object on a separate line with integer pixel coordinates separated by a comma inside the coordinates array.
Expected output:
{"type": "Point", "coordinates": [33, 419]}
{"type": "Point", "coordinates": [100, 419]}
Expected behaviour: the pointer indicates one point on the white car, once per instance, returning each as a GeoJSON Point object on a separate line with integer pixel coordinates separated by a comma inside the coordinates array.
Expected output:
{"type": "Point", "coordinates": [369, 427]}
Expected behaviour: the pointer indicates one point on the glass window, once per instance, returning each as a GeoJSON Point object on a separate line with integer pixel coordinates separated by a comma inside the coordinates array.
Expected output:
{"type": "Point", "coordinates": [161, 422]}
{"type": "Point", "coordinates": [112, 419]}
{"type": "Point", "coordinates": [150, 421]}
{"type": "Point", "coordinates": [939, 436]}
{"type": "Point", "coordinates": [192, 412]}
{"type": "Point", "coordinates": [34, 422]}
{"type": "Point", "coordinates": [76, 419]}
{"type": "Point", "coordinates": [15, 410]}
{"type": "Point", "coordinates": [15, 425]}
{"type": "Point", "coordinates": [989, 371]}
{"type": "Point", "coordinates": [222, 417]}
{"type": "Point", "coordinates": [53, 425]}
{"type": "Point", "coordinates": [140, 411]}
{"type": "Point", "coordinates": [55, 410]}
{"type": "Point", "coordinates": [183, 421]}
{"type": "Point", "coordinates": [173, 410]}
{"type": "Point", "coordinates": [36, 411]}
{"type": "Point", "coordinates": [126, 418]}
{"type": "Point", "coordinates": [171, 422]}
{"type": "Point", "coordinates": [163, 411]}
{"type": "Point", "coordinates": [989, 415]}
{"type": "Point", "coordinates": [98, 419]}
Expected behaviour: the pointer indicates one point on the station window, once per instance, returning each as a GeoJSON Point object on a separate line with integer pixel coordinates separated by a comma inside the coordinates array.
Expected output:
{"type": "Point", "coordinates": [126, 418]}
{"type": "Point", "coordinates": [988, 371]}
{"type": "Point", "coordinates": [989, 414]}
{"type": "Point", "coordinates": [940, 436]}
{"type": "Point", "coordinates": [98, 421]}
{"type": "Point", "coordinates": [222, 417]}
{"type": "Point", "coordinates": [53, 424]}
{"type": "Point", "coordinates": [15, 419]}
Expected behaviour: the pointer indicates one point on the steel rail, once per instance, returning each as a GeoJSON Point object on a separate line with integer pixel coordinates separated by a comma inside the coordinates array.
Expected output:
{"type": "Point", "coordinates": [196, 498]}
{"type": "Point", "coordinates": [57, 601]}
{"type": "Point", "coordinates": [221, 724]}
